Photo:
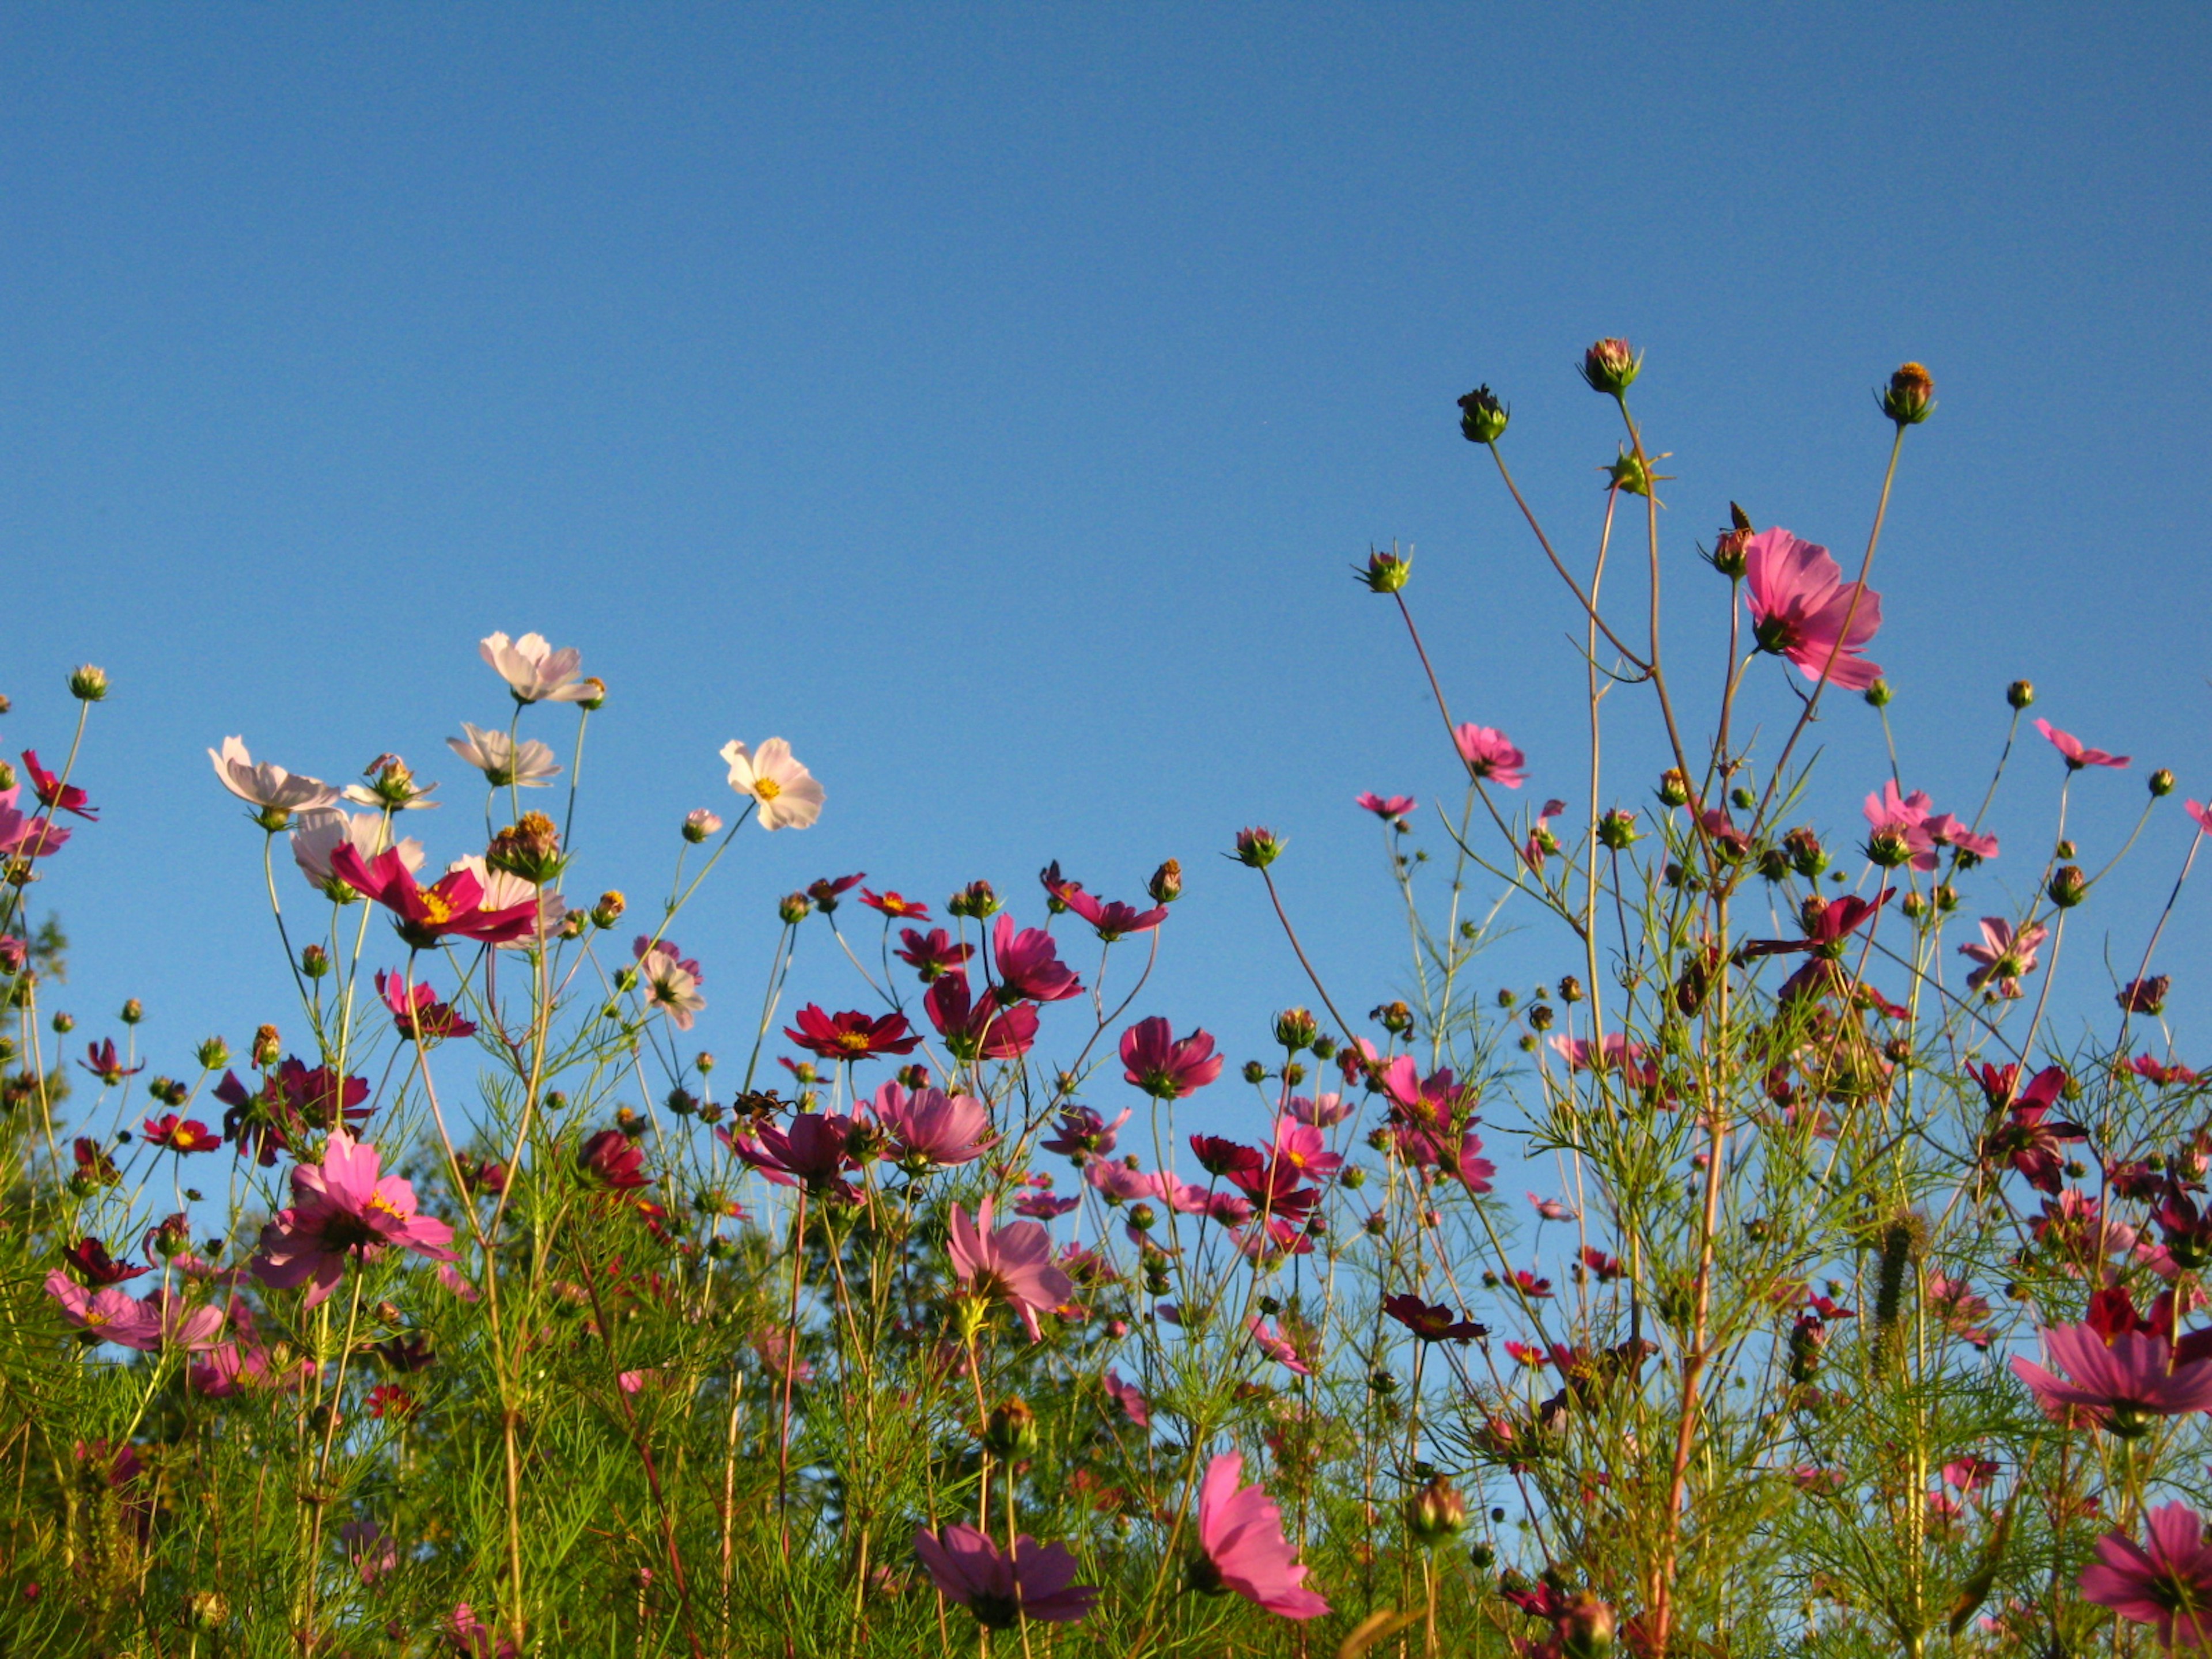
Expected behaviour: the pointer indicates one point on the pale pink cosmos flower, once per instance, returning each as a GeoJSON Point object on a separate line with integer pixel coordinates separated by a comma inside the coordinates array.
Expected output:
{"type": "Point", "coordinates": [1276, 1343]}
{"type": "Point", "coordinates": [1013, 1265]}
{"type": "Point", "coordinates": [671, 984]}
{"type": "Point", "coordinates": [2202, 813]}
{"type": "Point", "coordinates": [1904, 818]}
{"type": "Point", "coordinates": [1240, 1532]}
{"type": "Point", "coordinates": [1800, 605]}
{"type": "Point", "coordinates": [2124, 1385]}
{"type": "Point", "coordinates": [319, 831]}
{"type": "Point", "coordinates": [1552, 1209]}
{"type": "Point", "coordinates": [1321, 1110]}
{"type": "Point", "coordinates": [1129, 1397]}
{"type": "Point", "coordinates": [345, 1204]}
{"type": "Point", "coordinates": [535, 671]}
{"type": "Point", "coordinates": [2076, 753]}
{"type": "Point", "coordinates": [1614, 1053]}
{"type": "Point", "coordinates": [2003, 954]}
{"type": "Point", "coordinates": [1003, 1588]}
{"type": "Point", "coordinates": [932, 1130]}
{"type": "Point", "coordinates": [699, 824]}
{"type": "Point", "coordinates": [1490, 755]}
{"type": "Point", "coordinates": [789, 797]}
{"type": "Point", "coordinates": [2168, 1585]}
{"type": "Point", "coordinates": [528, 765]}
{"type": "Point", "coordinates": [268, 786]}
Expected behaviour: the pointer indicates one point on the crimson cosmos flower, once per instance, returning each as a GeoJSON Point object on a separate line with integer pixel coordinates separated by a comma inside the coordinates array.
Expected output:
{"type": "Point", "coordinates": [102, 1061]}
{"type": "Point", "coordinates": [54, 794]}
{"type": "Point", "coordinates": [611, 1160]}
{"type": "Point", "coordinates": [424, 915]}
{"type": "Point", "coordinates": [815, 1152]}
{"type": "Point", "coordinates": [894, 903]}
{"type": "Point", "coordinates": [173, 1134]}
{"type": "Point", "coordinates": [2026, 1141]}
{"type": "Point", "coordinates": [932, 953]}
{"type": "Point", "coordinates": [421, 1017]}
{"type": "Point", "coordinates": [981, 1028]}
{"type": "Point", "coordinates": [828, 890]}
{"type": "Point", "coordinates": [290, 1099]}
{"type": "Point", "coordinates": [1111, 919]}
{"type": "Point", "coordinates": [852, 1034]}
{"type": "Point", "coordinates": [96, 1267]}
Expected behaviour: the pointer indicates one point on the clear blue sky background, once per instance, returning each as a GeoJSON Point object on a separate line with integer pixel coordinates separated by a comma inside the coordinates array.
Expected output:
{"type": "Point", "coordinates": [990, 400]}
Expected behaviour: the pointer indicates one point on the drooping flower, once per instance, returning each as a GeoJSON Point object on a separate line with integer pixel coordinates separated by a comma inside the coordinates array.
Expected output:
{"type": "Point", "coordinates": [930, 1129]}
{"type": "Point", "coordinates": [2077, 754]}
{"type": "Point", "coordinates": [2124, 1385]}
{"type": "Point", "coordinates": [789, 797]}
{"type": "Point", "coordinates": [425, 915]}
{"type": "Point", "coordinates": [173, 1134]}
{"type": "Point", "coordinates": [672, 981]}
{"type": "Point", "coordinates": [2028, 1140]}
{"type": "Point", "coordinates": [2144, 996]}
{"type": "Point", "coordinates": [1110, 919]}
{"type": "Point", "coordinates": [346, 1206]}
{"type": "Point", "coordinates": [827, 890]}
{"type": "Point", "coordinates": [1029, 964]}
{"type": "Point", "coordinates": [535, 673]}
{"type": "Point", "coordinates": [1013, 1265]}
{"type": "Point", "coordinates": [420, 1017]}
{"type": "Point", "coordinates": [1385, 806]}
{"type": "Point", "coordinates": [2168, 1585]}
{"type": "Point", "coordinates": [1003, 1588]}
{"type": "Point", "coordinates": [528, 765]}
{"type": "Point", "coordinates": [814, 1153]}
{"type": "Point", "coordinates": [274, 792]}
{"type": "Point", "coordinates": [1164, 1066]}
{"type": "Point", "coordinates": [850, 1034]}
{"type": "Point", "coordinates": [1240, 1534]}
{"type": "Point", "coordinates": [318, 832]}
{"type": "Point", "coordinates": [1278, 1346]}
{"type": "Point", "coordinates": [104, 1063]}
{"type": "Point", "coordinates": [978, 1028]}
{"type": "Point", "coordinates": [2005, 956]}
{"type": "Point", "coordinates": [1490, 755]}
{"type": "Point", "coordinates": [89, 1256]}
{"type": "Point", "coordinates": [894, 903]}
{"type": "Point", "coordinates": [2201, 814]}
{"type": "Point", "coordinates": [55, 795]}
{"type": "Point", "coordinates": [1802, 608]}
{"type": "Point", "coordinates": [1129, 1399]}
{"type": "Point", "coordinates": [1430, 1321]}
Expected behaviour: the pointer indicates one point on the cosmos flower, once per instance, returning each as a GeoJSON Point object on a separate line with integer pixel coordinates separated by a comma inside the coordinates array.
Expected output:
{"type": "Point", "coordinates": [420, 1017]}
{"type": "Point", "coordinates": [276, 793]}
{"type": "Point", "coordinates": [930, 1129]}
{"type": "Point", "coordinates": [1003, 1588]}
{"type": "Point", "coordinates": [2125, 1385]}
{"type": "Point", "coordinates": [2168, 1585]}
{"type": "Point", "coordinates": [1029, 964]}
{"type": "Point", "coordinates": [1430, 1321]}
{"type": "Point", "coordinates": [852, 1034]}
{"type": "Point", "coordinates": [528, 765]}
{"type": "Point", "coordinates": [55, 795]}
{"type": "Point", "coordinates": [1013, 1265]}
{"type": "Point", "coordinates": [2076, 753]}
{"type": "Point", "coordinates": [978, 1028]}
{"type": "Point", "coordinates": [1163, 1066]}
{"type": "Point", "coordinates": [1240, 1534]}
{"type": "Point", "coordinates": [319, 831]}
{"type": "Point", "coordinates": [424, 915]}
{"type": "Point", "coordinates": [1801, 606]}
{"type": "Point", "coordinates": [786, 793]}
{"type": "Point", "coordinates": [535, 673]}
{"type": "Point", "coordinates": [2004, 955]}
{"type": "Point", "coordinates": [172, 1135]}
{"type": "Point", "coordinates": [343, 1206]}
{"type": "Point", "coordinates": [1385, 806]}
{"type": "Point", "coordinates": [1490, 755]}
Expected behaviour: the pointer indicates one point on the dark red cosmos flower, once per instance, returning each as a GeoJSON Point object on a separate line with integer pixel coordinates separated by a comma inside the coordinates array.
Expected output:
{"type": "Point", "coordinates": [1529, 1284]}
{"type": "Point", "coordinates": [421, 1017]}
{"type": "Point", "coordinates": [291, 1100]}
{"type": "Point", "coordinates": [1430, 1321]}
{"type": "Point", "coordinates": [611, 1160]}
{"type": "Point", "coordinates": [980, 1027]}
{"type": "Point", "coordinates": [1218, 1156]}
{"type": "Point", "coordinates": [175, 1135]}
{"type": "Point", "coordinates": [932, 953]}
{"type": "Point", "coordinates": [829, 890]}
{"type": "Point", "coordinates": [103, 1062]}
{"type": "Point", "coordinates": [95, 1266]}
{"type": "Point", "coordinates": [424, 915]}
{"type": "Point", "coordinates": [2111, 1315]}
{"type": "Point", "coordinates": [53, 792]}
{"type": "Point", "coordinates": [815, 1152]}
{"type": "Point", "coordinates": [93, 1163]}
{"type": "Point", "coordinates": [850, 1034]}
{"type": "Point", "coordinates": [1029, 964]}
{"type": "Point", "coordinates": [2144, 996]}
{"type": "Point", "coordinates": [2028, 1140]}
{"type": "Point", "coordinates": [1605, 1268]}
{"type": "Point", "coordinates": [892, 902]}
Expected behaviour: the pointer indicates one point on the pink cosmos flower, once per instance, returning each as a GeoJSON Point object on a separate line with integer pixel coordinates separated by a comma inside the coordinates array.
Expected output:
{"type": "Point", "coordinates": [1128, 1398]}
{"type": "Point", "coordinates": [978, 1028]}
{"type": "Point", "coordinates": [1322, 1110]}
{"type": "Point", "coordinates": [1802, 608]}
{"type": "Point", "coordinates": [2124, 1386]}
{"type": "Point", "coordinates": [788, 794]}
{"type": "Point", "coordinates": [1899, 824]}
{"type": "Point", "coordinates": [813, 1153]}
{"type": "Point", "coordinates": [1002, 1588]}
{"type": "Point", "coordinates": [1240, 1532]}
{"type": "Point", "coordinates": [425, 915]}
{"type": "Point", "coordinates": [1083, 1134]}
{"type": "Point", "coordinates": [1163, 1066]}
{"type": "Point", "coordinates": [2004, 955]}
{"type": "Point", "coordinates": [27, 835]}
{"type": "Point", "coordinates": [2202, 813]}
{"type": "Point", "coordinates": [1029, 964]}
{"type": "Point", "coordinates": [1550, 1208]}
{"type": "Point", "coordinates": [54, 794]}
{"type": "Point", "coordinates": [1616, 1052]}
{"type": "Point", "coordinates": [1276, 1343]}
{"type": "Point", "coordinates": [535, 671]}
{"type": "Point", "coordinates": [932, 1129]}
{"type": "Point", "coordinates": [1011, 1265]}
{"type": "Point", "coordinates": [372, 1551]}
{"type": "Point", "coordinates": [420, 1017]}
{"type": "Point", "coordinates": [346, 1204]}
{"type": "Point", "coordinates": [468, 1636]}
{"type": "Point", "coordinates": [277, 792]}
{"type": "Point", "coordinates": [111, 1314]}
{"type": "Point", "coordinates": [2077, 755]}
{"type": "Point", "coordinates": [1490, 755]}
{"type": "Point", "coordinates": [1110, 919]}
{"type": "Point", "coordinates": [932, 953]}
{"type": "Point", "coordinates": [1385, 806]}
{"type": "Point", "coordinates": [1945, 830]}
{"type": "Point", "coordinates": [2168, 1585]}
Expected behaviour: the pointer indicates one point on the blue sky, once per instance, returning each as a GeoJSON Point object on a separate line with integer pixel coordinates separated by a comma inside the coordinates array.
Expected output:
{"type": "Point", "coordinates": [990, 400]}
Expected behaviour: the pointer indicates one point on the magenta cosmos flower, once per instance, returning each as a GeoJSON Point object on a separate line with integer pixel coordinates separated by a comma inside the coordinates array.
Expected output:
{"type": "Point", "coordinates": [930, 1129]}
{"type": "Point", "coordinates": [1490, 755]}
{"type": "Point", "coordinates": [1011, 1265]}
{"type": "Point", "coordinates": [2168, 1585]}
{"type": "Point", "coordinates": [25, 835]}
{"type": "Point", "coordinates": [978, 1027]}
{"type": "Point", "coordinates": [1029, 964]}
{"type": "Point", "coordinates": [2004, 955]}
{"type": "Point", "coordinates": [1002, 1588]}
{"type": "Point", "coordinates": [1162, 1064]}
{"type": "Point", "coordinates": [54, 794]}
{"type": "Point", "coordinates": [1384, 806]}
{"type": "Point", "coordinates": [2124, 1385]}
{"type": "Point", "coordinates": [1240, 1531]}
{"type": "Point", "coordinates": [345, 1206]}
{"type": "Point", "coordinates": [2077, 754]}
{"type": "Point", "coordinates": [1802, 608]}
{"type": "Point", "coordinates": [454, 907]}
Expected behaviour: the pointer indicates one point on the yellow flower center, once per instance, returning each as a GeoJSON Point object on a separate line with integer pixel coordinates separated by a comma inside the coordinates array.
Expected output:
{"type": "Point", "coordinates": [436, 905]}
{"type": "Point", "coordinates": [767, 788]}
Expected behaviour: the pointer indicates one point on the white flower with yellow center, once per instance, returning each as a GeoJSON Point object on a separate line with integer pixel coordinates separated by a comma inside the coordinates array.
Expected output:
{"type": "Point", "coordinates": [529, 764]}
{"type": "Point", "coordinates": [786, 793]}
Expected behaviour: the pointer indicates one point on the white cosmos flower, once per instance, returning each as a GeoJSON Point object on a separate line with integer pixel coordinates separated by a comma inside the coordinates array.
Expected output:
{"type": "Point", "coordinates": [670, 988]}
{"type": "Point", "coordinates": [502, 760]}
{"type": "Point", "coordinates": [789, 798]}
{"type": "Point", "coordinates": [503, 890]}
{"type": "Point", "coordinates": [270, 787]}
{"type": "Point", "coordinates": [320, 832]}
{"type": "Point", "coordinates": [535, 671]}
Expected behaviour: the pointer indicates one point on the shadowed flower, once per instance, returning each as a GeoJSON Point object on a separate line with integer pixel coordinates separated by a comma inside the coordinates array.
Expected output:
{"type": "Point", "coordinates": [930, 1129]}
{"type": "Point", "coordinates": [2077, 754]}
{"type": "Point", "coordinates": [1013, 1265]}
{"type": "Point", "coordinates": [1083, 1134]}
{"type": "Point", "coordinates": [1615, 1053]}
{"type": "Point", "coordinates": [932, 953]}
{"type": "Point", "coordinates": [2168, 1585]}
{"type": "Point", "coordinates": [1277, 1345]}
{"type": "Point", "coordinates": [276, 793]}
{"type": "Point", "coordinates": [89, 1256]}
{"type": "Point", "coordinates": [1029, 964]}
{"type": "Point", "coordinates": [535, 671]}
{"type": "Point", "coordinates": [1490, 755]}
{"type": "Point", "coordinates": [1385, 806]}
{"type": "Point", "coordinates": [1240, 1534]}
{"type": "Point", "coordinates": [108, 1312]}
{"type": "Point", "coordinates": [2144, 996]}
{"type": "Point", "coordinates": [814, 1153]}
{"type": "Point", "coordinates": [2003, 954]}
{"type": "Point", "coordinates": [104, 1063]}
{"type": "Point", "coordinates": [1430, 1321]}
{"type": "Point", "coordinates": [1001, 1587]}
{"type": "Point", "coordinates": [2125, 1386]}
{"type": "Point", "coordinates": [611, 1160]}
{"type": "Point", "coordinates": [468, 1636]}
{"type": "Point", "coordinates": [978, 1028]}
{"type": "Point", "coordinates": [528, 765]}
{"type": "Point", "coordinates": [345, 1206]}
{"type": "Point", "coordinates": [788, 794]}
{"type": "Point", "coordinates": [1802, 608]}
{"type": "Point", "coordinates": [420, 1017]}
{"type": "Point", "coordinates": [1129, 1399]}
{"type": "Point", "coordinates": [1162, 1065]}
{"type": "Point", "coordinates": [2029, 1140]}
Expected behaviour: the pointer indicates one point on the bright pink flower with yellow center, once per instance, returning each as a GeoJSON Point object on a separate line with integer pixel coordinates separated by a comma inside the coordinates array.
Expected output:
{"type": "Point", "coordinates": [425, 915]}
{"type": "Point", "coordinates": [345, 1207]}
{"type": "Point", "coordinates": [1802, 608]}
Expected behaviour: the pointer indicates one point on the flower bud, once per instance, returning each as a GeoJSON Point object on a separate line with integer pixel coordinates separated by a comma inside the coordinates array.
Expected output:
{"type": "Point", "coordinates": [977, 901]}
{"type": "Point", "coordinates": [1947, 897]}
{"type": "Point", "coordinates": [315, 961]}
{"type": "Point", "coordinates": [1773, 864]}
{"type": "Point", "coordinates": [1617, 829]}
{"type": "Point", "coordinates": [699, 824]}
{"type": "Point", "coordinates": [213, 1054]}
{"type": "Point", "coordinates": [793, 909]}
{"type": "Point", "coordinates": [1628, 474]}
{"type": "Point", "coordinates": [133, 1011]}
{"type": "Point", "coordinates": [529, 847]}
{"type": "Point", "coordinates": [1570, 989]}
{"type": "Point", "coordinates": [598, 698]}
{"type": "Point", "coordinates": [1254, 1072]}
{"type": "Point", "coordinates": [1877, 695]}
{"type": "Point", "coordinates": [1482, 418]}
{"type": "Point", "coordinates": [1585, 1627]}
{"type": "Point", "coordinates": [1257, 848]}
{"type": "Point", "coordinates": [1296, 1029]}
{"type": "Point", "coordinates": [64, 1023]}
{"type": "Point", "coordinates": [1142, 1217]}
{"type": "Point", "coordinates": [1674, 787]}
{"type": "Point", "coordinates": [1166, 884]}
{"type": "Point", "coordinates": [1394, 1017]}
{"type": "Point", "coordinates": [2069, 886]}
{"type": "Point", "coordinates": [1384, 573]}
{"type": "Point", "coordinates": [2161, 783]}
{"type": "Point", "coordinates": [7, 776]}
{"type": "Point", "coordinates": [2021, 693]}
{"type": "Point", "coordinates": [1010, 1430]}
{"type": "Point", "coordinates": [1611, 367]}
{"type": "Point", "coordinates": [1437, 1513]}
{"type": "Point", "coordinates": [268, 1047]}
{"type": "Point", "coordinates": [88, 683]}
{"type": "Point", "coordinates": [206, 1610]}
{"type": "Point", "coordinates": [1910, 397]}
{"type": "Point", "coordinates": [1888, 847]}
{"type": "Point", "coordinates": [1914, 905]}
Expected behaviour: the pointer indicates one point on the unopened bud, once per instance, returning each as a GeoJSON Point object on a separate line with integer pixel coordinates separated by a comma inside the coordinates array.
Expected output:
{"type": "Point", "coordinates": [1673, 788]}
{"type": "Point", "coordinates": [88, 683]}
{"type": "Point", "coordinates": [1617, 830]}
{"type": "Point", "coordinates": [133, 1011]}
{"type": "Point", "coordinates": [1384, 573]}
{"type": "Point", "coordinates": [1010, 1430]}
{"type": "Point", "coordinates": [793, 909]}
{"type": "Point", "coordinates": [1482, 418]}
{"type": "Point", "coordinates": [1877, 695]}
{"type": "Point", "coordinates": [2069, 886]}
{"type": "Point", "coordinates": [700, 824]}
{"type": "Point", "coordinates": [2161, 783]}
{"type": "Point", "coordinates": [978, 900]}
{"type": "Point", "coordinates": [268, 1047]}
{"type": "Point", "coordinates": [1586, 1627]}
{"type": "Point", "coordinates": [1166, 884]}
{"type": "Point", "coordinates": [1910, 397]}
{"type": "Point", "coordinates": [2021, 693]}
{"type": "Point", "coordinates": [64, 1023]}
{"type": "Point", "coordinates": [1258, 847]}
{"type": "Point", "coordinates": [1437, 1513]}
{"type": "Point", "coordinates": [1254, 1072]}
{"type": "Point", "coordinates": [1570, 989]}
{"type": "Point", "coordinates": [1296, 1029]}
{"type": "Point", "coordinates": [315, 961]}
{"type": "Point", "coordinates": [1394, 1017]}
{"type": "Point", "coordinates": [608, 910]}
{"type": "Point", "coordinates": [212, 1054]}
{"type": "Point", "coordinates": [1611, 367]}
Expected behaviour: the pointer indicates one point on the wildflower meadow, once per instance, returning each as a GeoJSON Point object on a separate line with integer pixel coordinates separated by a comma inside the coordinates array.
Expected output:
{"type": "Point", "coordinates": [1809, 1265]}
